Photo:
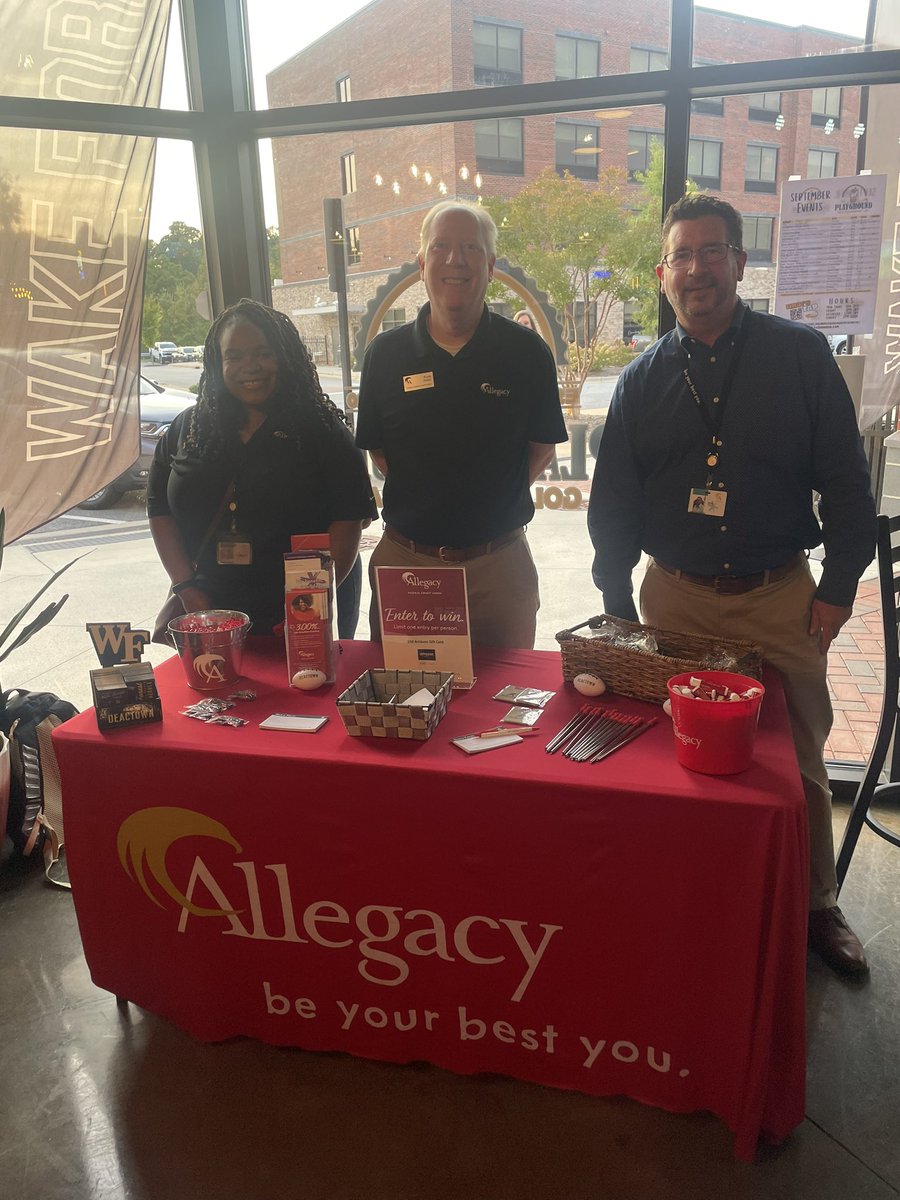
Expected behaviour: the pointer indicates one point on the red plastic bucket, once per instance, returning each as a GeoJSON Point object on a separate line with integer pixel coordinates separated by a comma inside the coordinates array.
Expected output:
{"type": "Point", "coordinates": [715, 737]}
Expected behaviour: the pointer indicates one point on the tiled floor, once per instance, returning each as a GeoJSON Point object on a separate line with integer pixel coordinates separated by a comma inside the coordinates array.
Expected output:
{"type": "Point", "coordinates": [856, 676]}
{"type": "Point", "coordinates": [103, 1103]}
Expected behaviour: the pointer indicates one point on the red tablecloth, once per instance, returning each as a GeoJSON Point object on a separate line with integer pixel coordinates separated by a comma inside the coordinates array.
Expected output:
{"type": "Point", "coordinates": [621, 928]}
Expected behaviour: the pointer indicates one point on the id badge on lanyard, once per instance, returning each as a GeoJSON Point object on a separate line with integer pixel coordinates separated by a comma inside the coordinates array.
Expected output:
{"type": "Point", "coordinates": [233, 548]}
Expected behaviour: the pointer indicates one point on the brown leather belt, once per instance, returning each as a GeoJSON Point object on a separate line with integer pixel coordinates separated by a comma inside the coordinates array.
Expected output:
{"type": "Point", "coordinates": [734, 585]}
{"type": "Point", "coordinates": [451, 554]}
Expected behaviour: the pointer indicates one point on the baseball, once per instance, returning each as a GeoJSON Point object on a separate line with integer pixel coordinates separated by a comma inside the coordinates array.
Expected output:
{"type": "Point", "coordinates": [308, 680]}
{"type": "Point", "coordinates": [588, 684]}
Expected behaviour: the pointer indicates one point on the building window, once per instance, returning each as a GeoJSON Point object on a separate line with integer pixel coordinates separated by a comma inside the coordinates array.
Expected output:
{"type": "Point", "coordinates": [577, 150]}
{"type": "Point", "coordinates": [712, 106]}
{"type": "Point", "coordinates": [348, 174]}
{"type": "Point", "coordinates": [497, 51]}
{"type": "Point", "coordinates": [826, 106]}
{"type": "Point", "coordinates": [351, 240]}
{"type": "Point", "coordinates": [648, 60]}
{"type": "Point", "coordinates": [498, 146]}
{"type": "Point", "coordinates": [705, 163]}
{"type": "Point", "coordinates": [760, 168]}
{"type": "Point", "coordinates": [758, 238]}
{"type": "Point", "coordinates": [821, 164]}
{"type": "Point", "coordinates": [393, 318]}
{"type": "Point", "coordinates": [765, 107]}
{"type": "Point", "coordinates": [342, 88]}
{"type": "Point", "coordinates": [758, 305]}
{"type": "Point", "coordinates": [640, 142]}
{"type": "Point", "coordinates": [577, 58]}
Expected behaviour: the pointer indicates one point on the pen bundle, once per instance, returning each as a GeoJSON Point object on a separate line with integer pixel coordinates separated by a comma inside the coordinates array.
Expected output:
{"type": "Point", "coordinates": [593, 733]}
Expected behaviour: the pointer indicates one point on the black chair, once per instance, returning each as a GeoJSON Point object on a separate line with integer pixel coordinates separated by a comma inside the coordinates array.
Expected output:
{"type": "Point", "coordinates": [889, 725]}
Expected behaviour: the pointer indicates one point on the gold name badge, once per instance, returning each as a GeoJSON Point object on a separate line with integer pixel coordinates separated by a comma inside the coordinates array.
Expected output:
{"type": "Point", "coordinates": [415, 383]}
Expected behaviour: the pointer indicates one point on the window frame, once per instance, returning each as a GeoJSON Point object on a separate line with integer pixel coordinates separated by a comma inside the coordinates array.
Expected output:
{"type": "Point", "coordinates": [496, 76]}
{"type": "Point", "coordinates": [758, 183]}
{"type": "Point", "coordinates": [703, 181]}
{"type": "Point", "coordinates": [821, 151]}
{"type": "Point", "coordinates": [589, 168]}
{"type": "Point", "coordinates": [500, 164]}
{"type": "Point", "coordinates": [579, 41]}
{"type": "Point", "coordinates": [755, 253]}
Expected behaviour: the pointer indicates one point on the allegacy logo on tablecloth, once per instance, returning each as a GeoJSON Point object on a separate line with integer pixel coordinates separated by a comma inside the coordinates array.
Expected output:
{"type": "Point", "coordinates": [389, 937]}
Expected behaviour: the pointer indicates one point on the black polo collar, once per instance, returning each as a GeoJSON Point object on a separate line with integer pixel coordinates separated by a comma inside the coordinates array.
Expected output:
{"type": "Point", "coordinates": [424, 344]}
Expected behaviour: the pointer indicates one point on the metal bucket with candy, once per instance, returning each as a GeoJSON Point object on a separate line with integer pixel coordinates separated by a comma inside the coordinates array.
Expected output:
{"type": "Point", "coordinates": [210, 644]}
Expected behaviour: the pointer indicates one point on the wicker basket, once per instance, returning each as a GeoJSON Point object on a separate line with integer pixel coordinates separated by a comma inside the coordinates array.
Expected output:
{"type": "Point", "coordinates": [366, 711]}
{"type": "Point", "coordinates": [631, 672]}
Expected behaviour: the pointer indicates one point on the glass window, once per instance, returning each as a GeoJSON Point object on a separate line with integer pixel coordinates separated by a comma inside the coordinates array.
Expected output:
{"type": "Point", "coordinates": [648, 60]}
{"type": "Point", "coordinates": [712, 106]}
{"type": "Point", "coordinates": [821, 164]}
{"type": "Point", "coordinates": [498, 146]}
{"type": "Point", "coordinates": [577, 150]}
{"type": "Point", "coordinates": [760, 168]}
{"type": "Point", "coordinates": [764, 107]}
{"type": "Point", "coordinates": [497, 53]}
{"type": "Point", "coordinates": [758, 304]}
{"type": "Point", "coordinates": [826, 107]}
{"type": "Point", "coordinates": [393, 318]}
{"type": "Point", "coordinates": [705, 163]}
{"type": "Point", "coordinates": [758, 238]}
{"type": "Point", "coordinates": [342, 89]}
{"type": "Point", "coordinates": [351, 238]}
{"type": "Point", "coordinates": [577, 58]}
{"type": "Point", "coordinates": [640, 142]}
{"type": "Point", "coordinates": [348, 173]}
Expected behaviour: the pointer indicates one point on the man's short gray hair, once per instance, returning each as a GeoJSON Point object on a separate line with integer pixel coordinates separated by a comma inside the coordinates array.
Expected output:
{"type": "Point", "coordinates": [481, 215]}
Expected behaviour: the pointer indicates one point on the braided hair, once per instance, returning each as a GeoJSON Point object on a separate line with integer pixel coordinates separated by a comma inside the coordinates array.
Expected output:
{"type": "Point", "coordinates": [299, 404]}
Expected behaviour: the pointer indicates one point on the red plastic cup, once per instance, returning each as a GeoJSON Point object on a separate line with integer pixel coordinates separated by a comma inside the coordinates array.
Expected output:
{"type": "Point", "coordinates": [715, 737]}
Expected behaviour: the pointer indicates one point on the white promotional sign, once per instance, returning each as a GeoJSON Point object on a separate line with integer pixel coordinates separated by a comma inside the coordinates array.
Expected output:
{"type": "Point", "coordinates": [828, 252]}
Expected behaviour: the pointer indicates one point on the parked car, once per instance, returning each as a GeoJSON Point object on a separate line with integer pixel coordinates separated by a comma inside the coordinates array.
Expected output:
{"type": "Point", "coordinates": [839, 343]}
{"type": "Point", "coordinates": [189, 354]}
{"type": "Point", "coordinates": [159, 407]}
{"type": "Point", "coordinates": [163, 352]}
{"type": "Point", "coordinates": [641, 341]}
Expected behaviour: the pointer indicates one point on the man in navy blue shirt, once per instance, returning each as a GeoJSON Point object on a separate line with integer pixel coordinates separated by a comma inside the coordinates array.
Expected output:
{"type": "Point", "coordinates": [716, 439]}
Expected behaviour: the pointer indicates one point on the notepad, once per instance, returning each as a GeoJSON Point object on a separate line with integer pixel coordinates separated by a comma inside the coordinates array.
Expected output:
{"type": "Point", "coordinates": [293, 723]}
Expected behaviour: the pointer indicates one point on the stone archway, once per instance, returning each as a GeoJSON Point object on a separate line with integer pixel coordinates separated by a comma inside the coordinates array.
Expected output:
{"type": "Point", "coordinates": [514, 278]}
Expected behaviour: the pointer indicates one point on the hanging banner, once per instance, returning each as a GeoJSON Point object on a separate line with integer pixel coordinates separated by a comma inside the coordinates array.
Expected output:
{"type": "Point", "coordinates": [74, 209]}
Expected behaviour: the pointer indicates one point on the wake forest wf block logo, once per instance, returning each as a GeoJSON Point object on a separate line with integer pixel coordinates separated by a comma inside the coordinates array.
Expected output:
{"type": "Point", "coordinates": [264, 902]}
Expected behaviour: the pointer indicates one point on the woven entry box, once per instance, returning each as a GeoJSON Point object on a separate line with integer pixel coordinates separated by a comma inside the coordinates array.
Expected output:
{"type": "Point", "coordinates": [366, 710]}
{"type": "Point", "coordinates": [644, 675]}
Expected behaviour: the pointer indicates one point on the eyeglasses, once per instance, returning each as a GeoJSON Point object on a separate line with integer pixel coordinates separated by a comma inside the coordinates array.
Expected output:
{"type": "Point", "coordinates": [715, 252]}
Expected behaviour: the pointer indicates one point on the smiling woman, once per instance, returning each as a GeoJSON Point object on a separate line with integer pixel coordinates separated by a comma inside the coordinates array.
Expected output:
{"type": "Point", "coordinates": [263, 455]}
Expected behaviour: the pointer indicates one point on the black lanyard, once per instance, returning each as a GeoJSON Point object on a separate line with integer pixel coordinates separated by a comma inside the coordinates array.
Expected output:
{"type": "Point", "coordinates": [713, 417]}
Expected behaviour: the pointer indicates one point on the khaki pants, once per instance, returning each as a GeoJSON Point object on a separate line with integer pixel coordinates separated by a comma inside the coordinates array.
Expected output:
{"type": "Point", "coordinates": [776, 617]}
{"type": "Point", "coordinates": [502, 588]}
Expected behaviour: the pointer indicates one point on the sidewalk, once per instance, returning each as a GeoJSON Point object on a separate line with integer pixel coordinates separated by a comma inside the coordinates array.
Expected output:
{"type": "Point", "coordinates": [123, 580]}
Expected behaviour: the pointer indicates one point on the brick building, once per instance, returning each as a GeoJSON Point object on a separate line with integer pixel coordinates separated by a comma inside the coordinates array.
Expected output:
{"type": "Point", "coordinates": [742, 147]}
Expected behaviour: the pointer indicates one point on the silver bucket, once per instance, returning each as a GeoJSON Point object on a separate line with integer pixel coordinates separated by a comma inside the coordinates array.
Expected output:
{"type": "Point", "coordinates": [211, 656]}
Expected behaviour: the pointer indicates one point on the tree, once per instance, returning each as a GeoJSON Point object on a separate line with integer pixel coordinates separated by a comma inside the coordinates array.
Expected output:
{"type": "Point", "coordinates": [647, 218]}
{"type": "Point", "coordinates": [587, 246]}
{"type": "Point", "coordinates": [274, 245]}
{"type": "Point", "coordinates": [175, 276]}
{"type": "Point", "coordinates": [583, 246]}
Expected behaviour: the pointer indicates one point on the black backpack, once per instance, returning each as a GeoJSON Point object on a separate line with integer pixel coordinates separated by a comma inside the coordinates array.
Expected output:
{"type": "Point", "coordinates": [34, 820]}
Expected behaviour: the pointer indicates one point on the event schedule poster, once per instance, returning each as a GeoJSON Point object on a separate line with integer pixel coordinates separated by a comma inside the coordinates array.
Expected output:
{"type": "Point", "coordinates": [828, 252]}
{"type": "Point", "coordinates": [425, 620]}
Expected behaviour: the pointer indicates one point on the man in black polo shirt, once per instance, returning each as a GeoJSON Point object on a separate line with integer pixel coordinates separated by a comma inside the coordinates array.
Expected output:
{"type": "Point", "coordinates": [460, 410]}
{"type": "Point", "coordinates": [749, 414]}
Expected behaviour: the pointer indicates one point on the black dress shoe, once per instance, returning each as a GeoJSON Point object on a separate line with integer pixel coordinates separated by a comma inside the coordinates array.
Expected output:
{"type": "Point", "coordinates": [835, 942]}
